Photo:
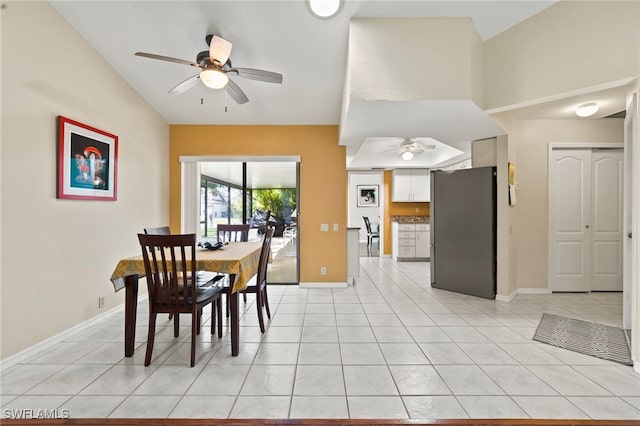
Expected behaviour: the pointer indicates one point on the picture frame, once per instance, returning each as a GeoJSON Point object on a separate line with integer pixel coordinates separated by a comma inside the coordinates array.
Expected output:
{"type": "Point", "coordinates": [87, 162]}
{"type": "Point", "coordinates": [368, 195]}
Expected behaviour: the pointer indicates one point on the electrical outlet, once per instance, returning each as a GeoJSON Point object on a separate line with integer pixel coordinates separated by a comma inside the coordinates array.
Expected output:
{"type": "Point", "coordinates": [324, 227]}
{"type": "Point", "coordinates": [323, 270]}
{"type": "Point", "coordinates": [100, 302]}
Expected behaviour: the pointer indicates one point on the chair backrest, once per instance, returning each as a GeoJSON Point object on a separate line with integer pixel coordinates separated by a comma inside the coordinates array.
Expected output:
{"type": "Point", "coordinates": [367, 224]}
{"type": "Point", "coordinates": [161, 230]}
{"type": "Point", "coordinates": [233, 232]}
{"type": "Point", "coordinates": [170, 268]}
{"type": "Point", "coordinates": [264, 257]}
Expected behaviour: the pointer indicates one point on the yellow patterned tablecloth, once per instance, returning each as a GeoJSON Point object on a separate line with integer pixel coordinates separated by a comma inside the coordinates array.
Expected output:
{"type": "Point", "coordinates": [238, 258]}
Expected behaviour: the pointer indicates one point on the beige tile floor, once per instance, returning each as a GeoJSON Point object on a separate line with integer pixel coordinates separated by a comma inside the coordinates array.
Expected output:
{"type": "Point", "coordinates": [388, 347]}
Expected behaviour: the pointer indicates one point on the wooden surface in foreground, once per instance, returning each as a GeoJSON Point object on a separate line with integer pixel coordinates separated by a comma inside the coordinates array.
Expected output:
{"type": "Point", "coordinates": [320, 422]}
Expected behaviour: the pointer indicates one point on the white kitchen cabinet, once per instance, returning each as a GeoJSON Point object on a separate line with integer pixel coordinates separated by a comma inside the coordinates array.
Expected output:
{"type": "Point", "coordinates": [410, 241]}
{"type": "Point", "coordinates": [423, 240]}
{"type": "Point", "coordinates": [410, 185]}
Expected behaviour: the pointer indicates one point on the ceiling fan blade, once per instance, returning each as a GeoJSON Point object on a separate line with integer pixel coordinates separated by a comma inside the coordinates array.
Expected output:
{"type": "Point", "coordinates": [167, 58]}
{"type": "Point", "coordinates": [259, 75]}
{"type": "Point", "coordinates": [236, 93]}
{"type": "Point", "coordinates": [185, 85]}
{"type": "Point", "coordinates": [219, 49]}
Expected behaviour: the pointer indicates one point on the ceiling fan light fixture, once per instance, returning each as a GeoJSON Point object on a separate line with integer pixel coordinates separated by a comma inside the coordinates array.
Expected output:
{"type": "Point", "coordinates": [324, 8]}
{"type": "Point", "coordinates": [587, 110]}
{"type": "Point", "coordinates": [214, 79]}
{"type": "Point", "coordinates": [407, 155]}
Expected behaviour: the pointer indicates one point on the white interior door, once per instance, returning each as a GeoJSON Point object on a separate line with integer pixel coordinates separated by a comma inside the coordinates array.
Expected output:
{"type": "Point", "coordinates": [606, 234]}
{"type": "Point", "coordinates": [570, 219]}
{"type": "Point", "coordinates": [629, 256]}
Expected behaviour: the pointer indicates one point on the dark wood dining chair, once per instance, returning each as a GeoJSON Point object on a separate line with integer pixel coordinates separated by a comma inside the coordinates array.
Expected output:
{"type": "Point", "coordinates": [160, 230]}
{"type": "Point", "coordinates": [259, 286]}
{"type": "Point", "coordinates": [371, 235]}
{"type": "Point", "coordinates": [203, 275]}
{"type": "Point", "coordinates": [234, 232]}
{"type": "Point", "coordinates": [170, 271]}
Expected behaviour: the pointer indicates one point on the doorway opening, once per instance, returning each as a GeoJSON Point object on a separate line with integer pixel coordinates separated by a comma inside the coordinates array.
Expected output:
{"type": "Point", "coordinates": [261, 192]}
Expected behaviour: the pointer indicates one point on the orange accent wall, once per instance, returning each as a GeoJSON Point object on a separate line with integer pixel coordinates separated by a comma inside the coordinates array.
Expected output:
{"type": "Point", "coordinates": [397, 209]}
{"type": "Point", "coordinates": [323, 182]}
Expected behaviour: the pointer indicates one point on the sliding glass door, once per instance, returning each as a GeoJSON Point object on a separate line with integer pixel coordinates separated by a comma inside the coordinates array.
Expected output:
{"type": "Point", "coordinates": [263, 194]}
{"type": "Point", "coordinates": [220, 202]}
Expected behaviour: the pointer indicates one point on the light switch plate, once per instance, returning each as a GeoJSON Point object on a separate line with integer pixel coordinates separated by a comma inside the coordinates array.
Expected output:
{"type": "Point", "coordinates": [324, 227]}
{"type": "Point", "coordinates": [336, 228]}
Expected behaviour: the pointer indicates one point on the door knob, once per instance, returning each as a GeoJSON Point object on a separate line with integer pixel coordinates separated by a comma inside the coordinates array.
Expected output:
{"type": "Point", "coordinates": [586, 226]}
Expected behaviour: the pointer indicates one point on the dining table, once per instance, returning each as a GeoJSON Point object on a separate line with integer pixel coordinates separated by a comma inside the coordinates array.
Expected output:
{"type": "Point", "coordinates": [238, 260]}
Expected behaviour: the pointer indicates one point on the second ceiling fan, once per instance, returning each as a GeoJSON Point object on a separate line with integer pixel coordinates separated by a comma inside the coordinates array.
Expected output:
{"type": "Point", "coordinates": [214, 65]}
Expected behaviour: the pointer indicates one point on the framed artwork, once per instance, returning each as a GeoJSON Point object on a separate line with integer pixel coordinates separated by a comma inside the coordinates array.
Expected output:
{"type": "Point", "coordinates": [367, 195]}
{"type": "Point", "coordinates": [87, 162]}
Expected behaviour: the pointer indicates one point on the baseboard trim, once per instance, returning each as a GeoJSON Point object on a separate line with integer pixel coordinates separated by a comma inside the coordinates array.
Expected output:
{"type": "Point", "coordinates": [57, 338]}
{"type": "Point", "coordinates": [324, 285]}
{"type": "Point", "coordinates": [534, 291]}
{"type": "Point", "coordinates": [509, 298]}
{"type": "Point", "coordinates": [514, 293]}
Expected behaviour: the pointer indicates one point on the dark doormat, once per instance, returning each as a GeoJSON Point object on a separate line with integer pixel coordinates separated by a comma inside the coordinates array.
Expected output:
{"type": "Point", "coordinates": [589, 338]}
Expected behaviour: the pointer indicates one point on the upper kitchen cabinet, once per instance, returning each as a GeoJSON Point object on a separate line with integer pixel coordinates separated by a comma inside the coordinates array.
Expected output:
{"type": "Point", "coordinates": [410, 185]}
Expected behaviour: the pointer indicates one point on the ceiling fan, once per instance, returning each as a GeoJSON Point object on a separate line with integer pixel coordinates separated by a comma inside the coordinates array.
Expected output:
{"type": "Point", "coordinates": [409, 147]}
{"type": "Point", "coordinates": [214, 65]}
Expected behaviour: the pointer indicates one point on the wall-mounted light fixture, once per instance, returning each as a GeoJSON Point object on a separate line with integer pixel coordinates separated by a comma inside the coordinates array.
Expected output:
{"type": "Point", "coordinates": [587, 110]}
{"type": "Point", "coordinates": [324, 8]}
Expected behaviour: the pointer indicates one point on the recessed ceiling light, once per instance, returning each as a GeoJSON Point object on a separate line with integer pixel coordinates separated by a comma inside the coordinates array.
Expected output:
{"type": "Point", "coordinates": [324, 8]}
{"type": "Point", "coordinates": [407, 155]}
{"type": "Point", "coordinates": [587, 110]}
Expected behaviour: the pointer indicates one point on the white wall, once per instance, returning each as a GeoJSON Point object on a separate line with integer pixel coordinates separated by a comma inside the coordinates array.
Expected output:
{"type": "Point", "coordinates": [528, 142]}
{"type": "Point", "coordinates": [445, 57]}
{"type": "Point", "coordinates": [569, 46]}
{"type": "Point", "coordinates": [58, 255]}
{"type": "Point", "coordinates": [375, 214]}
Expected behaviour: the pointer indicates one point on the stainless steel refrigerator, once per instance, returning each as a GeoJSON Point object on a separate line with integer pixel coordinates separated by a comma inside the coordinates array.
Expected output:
{"type": "Point", "coordinates": [463, 231]}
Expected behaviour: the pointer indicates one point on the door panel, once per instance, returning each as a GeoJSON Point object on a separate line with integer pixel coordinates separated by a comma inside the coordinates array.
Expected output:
{"type": "Point", "coordinates": [607, 220]}
{"type": "Point", "coordinates": [569, 220]}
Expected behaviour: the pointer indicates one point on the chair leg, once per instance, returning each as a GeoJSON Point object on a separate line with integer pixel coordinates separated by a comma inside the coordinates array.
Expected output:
{"type": "Point", "coordinates": [228, 303]}
{"type": "Point", "coordinates": [213, 317]}
{"type": "Point", "coordinates": [266, 302]}
{"type": "Point", "coordinates": [150, 338]}
{"type": "Point", "coordinates": [176, 325]}
{"type": "Point", "coordinates": [194, 321]}
{"type": "Point", "coordinates": [219, 302]}
{"type": "Point", "coordinates": [244, 297]}
{"type": "Point", "coordinates": [199, 322]}
{"type": "Point", "coordinates": [259, 306]}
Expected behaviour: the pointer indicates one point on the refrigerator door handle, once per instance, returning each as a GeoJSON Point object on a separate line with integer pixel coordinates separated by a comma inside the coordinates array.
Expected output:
{"type": "Point", "coordinates": [432, 264]}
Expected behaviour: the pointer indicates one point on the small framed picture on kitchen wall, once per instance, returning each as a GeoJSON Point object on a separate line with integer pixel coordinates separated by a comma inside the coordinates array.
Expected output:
{"type": "Point", "coordinates": [87, 162]}
{"type": "Point", "coordinates": [367, 195]}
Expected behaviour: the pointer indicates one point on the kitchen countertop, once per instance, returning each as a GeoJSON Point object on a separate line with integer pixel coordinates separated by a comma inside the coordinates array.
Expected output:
{"type": "Point", "coordinates": [410, 219]}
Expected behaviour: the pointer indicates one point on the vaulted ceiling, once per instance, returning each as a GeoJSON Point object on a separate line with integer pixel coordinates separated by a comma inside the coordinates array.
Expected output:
{"type": "Point", "coordinates": [279, 36]}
